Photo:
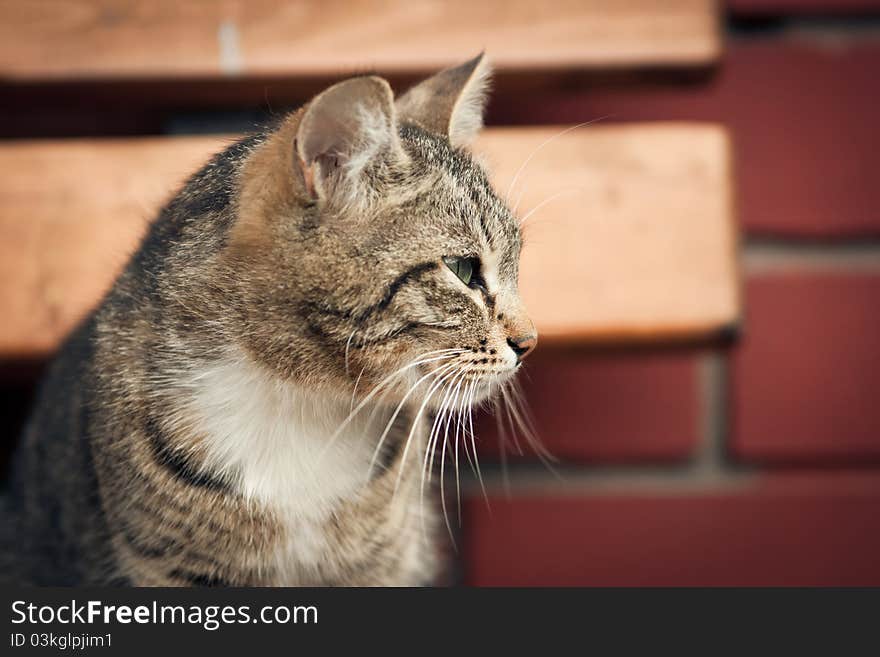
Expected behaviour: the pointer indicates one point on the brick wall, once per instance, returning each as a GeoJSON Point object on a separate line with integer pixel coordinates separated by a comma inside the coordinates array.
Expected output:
{"type": "Point", "coordinates": [758, 464]}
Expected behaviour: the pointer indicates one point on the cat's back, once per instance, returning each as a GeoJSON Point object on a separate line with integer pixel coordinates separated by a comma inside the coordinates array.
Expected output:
{"type": "Point", "coordinates": [54, 526]}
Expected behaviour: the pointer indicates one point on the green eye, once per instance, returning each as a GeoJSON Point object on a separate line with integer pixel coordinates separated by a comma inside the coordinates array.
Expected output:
{"type": "Point", "coordinates": [461, 267]}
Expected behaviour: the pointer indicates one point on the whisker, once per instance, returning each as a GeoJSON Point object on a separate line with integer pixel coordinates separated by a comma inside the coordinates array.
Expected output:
{"type": "Point", "coordinates": [432, 437]}
{"type": "Point", "coordinates": [476, 458]}
{"type": "Point", "coordinates": [502, 446]}
{"type": "Point", "coordinates": [454, 386]}
{"type": "Point", "coordinates": [436, 355]}
{"type": "Point", "coordinates": [459, 420]}
{"type": "Point", "coordinates": [421, 360]}
{"type": "Point", "coordinates": [347, 347]}
{"type": "Point", "coordinates": [440, 370]}
{"type": "Point", "coordinates": [355, 389]}
{"type": "Point", "coordinates": [529, 433]}
{"type": "Point", "coordinates": [553, 197]}
{"type": "Point", "coordinates": [460, 433]}
{"type": "Point", "coordinates": [435, 429]}
{"type": "Point", "coordinates": [541, 146]}
{"type": "Point", "coordinates": [455, 397]}
{"type": "Point", "coordinates": [509, 417]}
{"type": "Point", "coordinates": [521, 410]}
{"type": "Point", "coordinates": [434, 386]}
{"type": "Point", "coordinates": [446, 408]}
{"type": "Point", "coordinates": [466, 451]}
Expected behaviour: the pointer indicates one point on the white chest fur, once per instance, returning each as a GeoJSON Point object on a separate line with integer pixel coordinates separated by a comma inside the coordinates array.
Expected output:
{"type": "Point", "coordinates": [281, 445]}
{"type": "Point", "coordinates": [283, 448]}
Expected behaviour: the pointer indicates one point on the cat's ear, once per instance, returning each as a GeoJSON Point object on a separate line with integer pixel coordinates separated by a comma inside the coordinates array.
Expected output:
{"type": "Point", "coordinates": [343, 130]}
{"type": "Point", "coordinates": [450, 103]}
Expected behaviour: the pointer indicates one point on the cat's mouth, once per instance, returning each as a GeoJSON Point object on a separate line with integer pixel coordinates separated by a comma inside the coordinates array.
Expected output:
{"type": "Point", "coordinates": [462, 380]}
{"type": "Point", "coordinates": [485, 386]}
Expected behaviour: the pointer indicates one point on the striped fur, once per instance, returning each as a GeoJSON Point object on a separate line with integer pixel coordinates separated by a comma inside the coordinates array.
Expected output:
{"type": "Point", "coordinates": [194, 430]}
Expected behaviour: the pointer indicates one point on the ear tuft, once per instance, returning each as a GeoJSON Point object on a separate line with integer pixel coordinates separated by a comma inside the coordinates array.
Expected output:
{"type": "Point", "coordinates": [342, 130]}
{"type": "Point", "coordinates": [452, 102]}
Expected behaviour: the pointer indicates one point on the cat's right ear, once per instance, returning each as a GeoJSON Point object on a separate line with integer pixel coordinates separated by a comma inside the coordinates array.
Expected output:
{"type": "Point", "coordinates": [451, 103]}
{"type": "Point", "coordinates": [342, 131]}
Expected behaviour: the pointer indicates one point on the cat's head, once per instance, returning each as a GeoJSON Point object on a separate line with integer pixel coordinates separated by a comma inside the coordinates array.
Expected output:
{"type": "Point", "coordinates": [369, 242]}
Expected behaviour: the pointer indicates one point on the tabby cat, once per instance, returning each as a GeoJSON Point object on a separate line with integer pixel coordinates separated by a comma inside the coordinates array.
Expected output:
{"type": "Point", "coordinates": [251, 403]}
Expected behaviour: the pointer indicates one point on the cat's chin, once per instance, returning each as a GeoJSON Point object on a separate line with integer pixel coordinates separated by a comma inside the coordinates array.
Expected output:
{"type": "Point", "coordinates": [490, 387]}
{"type": "Point", "coordinates": [472, 393]}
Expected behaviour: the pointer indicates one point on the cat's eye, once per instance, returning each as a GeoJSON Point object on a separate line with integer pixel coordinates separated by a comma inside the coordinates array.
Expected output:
{"type": "Point", "coordinates": [467, 269]}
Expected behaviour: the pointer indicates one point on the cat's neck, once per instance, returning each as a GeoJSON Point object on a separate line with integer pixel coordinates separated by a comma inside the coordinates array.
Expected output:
{"type": "Point", "coordinates": [284, 446]}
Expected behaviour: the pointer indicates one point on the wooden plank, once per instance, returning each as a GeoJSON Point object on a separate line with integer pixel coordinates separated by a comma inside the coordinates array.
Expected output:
{"type": "Point", "coordinates": [628, 229]}
{"type": "Point", "coordinates": [636, 243]}
{"type": "Point", "coordinates": [98, 39]}
{"type": "Point", "coordinates": [71, 212]}
{"type": "Point", "coordinates": [820, 181]}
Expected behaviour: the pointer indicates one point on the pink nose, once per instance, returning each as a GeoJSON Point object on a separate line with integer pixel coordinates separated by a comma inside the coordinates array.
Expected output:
{"type": "Point", "coordinates": [523, 346]}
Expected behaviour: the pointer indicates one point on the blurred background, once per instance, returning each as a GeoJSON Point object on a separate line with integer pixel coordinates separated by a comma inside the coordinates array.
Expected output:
{"type": "Point", "coordinates": [708, 299]}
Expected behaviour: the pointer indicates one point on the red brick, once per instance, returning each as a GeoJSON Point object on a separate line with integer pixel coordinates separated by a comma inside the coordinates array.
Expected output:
{"type": "Point", "coordinates": [803, 116]}
{"type": "Point", "coordinates": [807, 375]}
{"type": "Point", "coordinates": [796, 530]}
{"type": "Point", "coordinates": [609, 408]}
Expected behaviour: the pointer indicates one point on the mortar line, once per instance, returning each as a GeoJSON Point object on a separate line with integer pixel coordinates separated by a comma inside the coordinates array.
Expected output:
{"type": "Point", "coordinates": [713, 426]}
{"type": "Point", "coordinates": [771, 256]}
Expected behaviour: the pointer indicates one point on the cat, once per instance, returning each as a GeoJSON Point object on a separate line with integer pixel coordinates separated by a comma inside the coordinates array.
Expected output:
{"type": "Point", "coordinates": [249, 404]}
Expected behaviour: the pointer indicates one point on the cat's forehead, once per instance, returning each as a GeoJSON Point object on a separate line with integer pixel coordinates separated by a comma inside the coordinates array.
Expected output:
{"type": "Point", "coordinates": [433, 152]}
{"type": "Point", "coordinates": [461, 185]}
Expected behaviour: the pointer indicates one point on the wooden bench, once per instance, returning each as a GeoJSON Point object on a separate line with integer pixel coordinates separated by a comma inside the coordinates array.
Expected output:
{"type": "Point", "coordinates": [629, 229]}
{"type": "Point", "coordinates": [110, 39]}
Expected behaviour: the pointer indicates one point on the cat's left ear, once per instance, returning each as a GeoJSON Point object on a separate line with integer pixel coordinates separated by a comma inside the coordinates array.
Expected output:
{"type": "Point", "coordinates": [450, 103]}
{"type": "Point", "coordinates": [343, 131]}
